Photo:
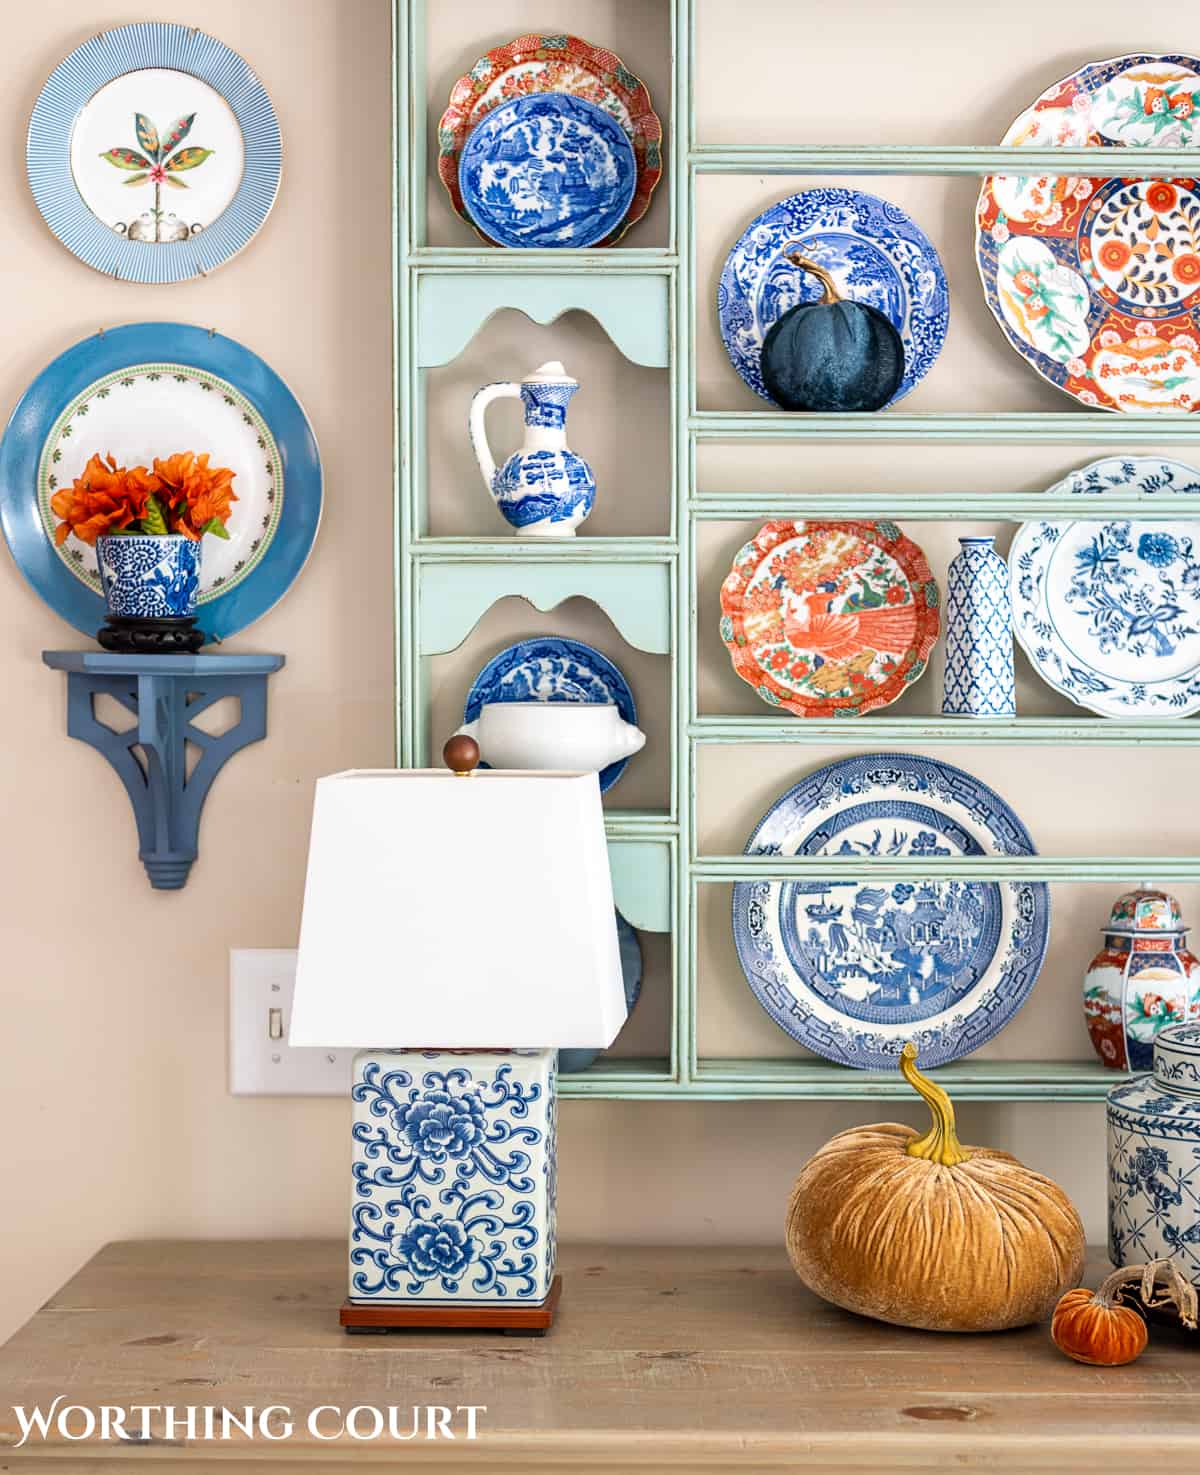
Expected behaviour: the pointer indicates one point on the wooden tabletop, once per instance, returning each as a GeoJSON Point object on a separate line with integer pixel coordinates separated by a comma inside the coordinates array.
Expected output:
{"type": "Point", "coordinates": [686, 1359]}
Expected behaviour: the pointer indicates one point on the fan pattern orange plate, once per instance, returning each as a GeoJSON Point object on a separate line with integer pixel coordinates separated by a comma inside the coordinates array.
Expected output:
{"type": "Point", "coordinates": [553, 64]}
{"type": "Point", "coordinates": [829, 619]}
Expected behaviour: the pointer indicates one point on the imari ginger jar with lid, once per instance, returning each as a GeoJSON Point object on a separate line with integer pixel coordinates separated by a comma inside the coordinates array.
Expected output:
{"type": "Point", "coordinates": [1154, 1158]}
{"type": "Point", "coordinates": [1142, 980]}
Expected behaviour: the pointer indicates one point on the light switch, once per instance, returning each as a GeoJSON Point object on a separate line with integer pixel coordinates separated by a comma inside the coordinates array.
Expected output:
{"type": "Point", "coordinates": [261, 1062]}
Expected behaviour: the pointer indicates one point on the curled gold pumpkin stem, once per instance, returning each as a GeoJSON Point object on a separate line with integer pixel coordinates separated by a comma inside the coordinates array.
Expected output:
{"type": "Point", "coordinates": [1159, 1284]}
{"type": "Point", "coordinates": [940, 1144]}
{"type": "Point", "coordinates": [830, 286]}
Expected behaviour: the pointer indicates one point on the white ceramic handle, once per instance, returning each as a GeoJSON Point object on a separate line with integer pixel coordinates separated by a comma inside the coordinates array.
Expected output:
{"type": "Point", "coordinates": [479, 441]}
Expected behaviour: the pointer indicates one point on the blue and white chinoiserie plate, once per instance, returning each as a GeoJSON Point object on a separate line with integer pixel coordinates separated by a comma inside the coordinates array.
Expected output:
{"type": "Point", "coordinates": [1109, 612]}
{"type": "Point", "coordinates": [547, 169]}
{"type": "Point", "coordinates": [144, 391]}
{"type": "Point", "coordinates": [853, 970]}
{"type": "Point", "coordinates": [153, 152]}
{"type": "Point", "coordinates": [875, 253]}
{"type": "Point", "coordinates": [631, 975]}
{"type": "Point", "coordinates": [548, 669]}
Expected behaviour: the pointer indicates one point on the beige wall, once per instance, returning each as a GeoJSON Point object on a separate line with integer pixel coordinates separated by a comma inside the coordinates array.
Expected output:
{"type": "Point", "coordinates": [114, 1117]}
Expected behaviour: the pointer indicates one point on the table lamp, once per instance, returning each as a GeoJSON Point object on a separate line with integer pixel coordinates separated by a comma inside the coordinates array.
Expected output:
{"type": "Point", "coordinates": [458, 929]}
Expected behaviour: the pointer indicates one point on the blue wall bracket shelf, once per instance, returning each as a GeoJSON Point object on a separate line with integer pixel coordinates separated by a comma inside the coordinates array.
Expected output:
{"type": "Point", "coordinates": [165, 694]}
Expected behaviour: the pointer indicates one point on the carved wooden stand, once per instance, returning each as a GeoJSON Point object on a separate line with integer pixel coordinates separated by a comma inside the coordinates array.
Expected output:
{"type": "Point", "coordinates": [512, 1320]}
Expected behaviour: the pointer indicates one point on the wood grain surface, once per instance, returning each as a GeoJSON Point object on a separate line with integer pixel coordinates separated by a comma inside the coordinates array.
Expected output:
{"type": "Point", "coordinates": [660, 1359]}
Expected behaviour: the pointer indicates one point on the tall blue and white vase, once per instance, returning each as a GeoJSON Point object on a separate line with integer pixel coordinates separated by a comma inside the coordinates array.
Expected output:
{"type": "Point", "coordinates": [1154, 1158]}
{"type": "Point", "coordinates": [453, 1163]}
{"type": "Point", "coordinates": [979, 679]}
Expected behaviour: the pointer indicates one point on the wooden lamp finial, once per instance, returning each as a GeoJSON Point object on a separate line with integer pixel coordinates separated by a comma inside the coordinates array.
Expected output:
{"type": "Point", "coordinates": [461, 755]}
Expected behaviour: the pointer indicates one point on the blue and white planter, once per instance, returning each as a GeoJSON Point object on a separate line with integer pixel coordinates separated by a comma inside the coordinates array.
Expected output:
{"type": "Point", "coordinates": [453, 1177]}
{"type": "Point", "coordinates": [1154, 1158]}
{"type": "Point", "coordinates": [146, 577]}
{"type": "Point", "coordinates": [979, 680]}
{"type": "Point", "coordinates": [544, 489]}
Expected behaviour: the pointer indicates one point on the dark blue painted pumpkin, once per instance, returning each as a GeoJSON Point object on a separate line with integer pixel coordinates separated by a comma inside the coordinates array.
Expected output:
{"type": "Point", "coordinates": [831, 355]}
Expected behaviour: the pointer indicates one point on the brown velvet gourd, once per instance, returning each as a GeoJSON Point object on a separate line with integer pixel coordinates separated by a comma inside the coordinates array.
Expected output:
{"type": "Point", "coordinates": [924, 1232]}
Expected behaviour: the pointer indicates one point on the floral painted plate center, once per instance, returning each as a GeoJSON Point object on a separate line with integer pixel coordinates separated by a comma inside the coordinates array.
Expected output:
{"type": "Point", "coordinates": [1143, 240]}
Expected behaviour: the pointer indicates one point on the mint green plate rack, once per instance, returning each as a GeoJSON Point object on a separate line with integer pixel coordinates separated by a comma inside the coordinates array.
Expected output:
{"type": "Point", "coordinates": [646, 300]}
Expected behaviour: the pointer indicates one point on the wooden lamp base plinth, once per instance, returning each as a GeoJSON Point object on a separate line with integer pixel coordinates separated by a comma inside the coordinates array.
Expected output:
{"type": "Point", "coordinates": [514, 1320]}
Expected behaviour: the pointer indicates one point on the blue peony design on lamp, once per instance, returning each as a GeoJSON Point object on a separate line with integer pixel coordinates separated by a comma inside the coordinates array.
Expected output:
{"type": "Point", "coordinates": [435, 1249]}
{"type": "Point", "coordinates": [440, 1125]}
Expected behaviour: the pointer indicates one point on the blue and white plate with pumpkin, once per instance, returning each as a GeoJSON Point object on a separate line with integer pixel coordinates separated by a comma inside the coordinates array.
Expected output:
{"type": "Point", "coordinates": [875, 254]}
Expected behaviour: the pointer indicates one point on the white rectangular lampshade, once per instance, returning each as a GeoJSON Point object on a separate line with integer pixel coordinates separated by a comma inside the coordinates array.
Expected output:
{"type": "Point", "coordinates": [458, 912]}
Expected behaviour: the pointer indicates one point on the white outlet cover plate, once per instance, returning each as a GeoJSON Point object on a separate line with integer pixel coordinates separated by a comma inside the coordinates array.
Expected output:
{"type": "Point", "coordinates": [262, 979]}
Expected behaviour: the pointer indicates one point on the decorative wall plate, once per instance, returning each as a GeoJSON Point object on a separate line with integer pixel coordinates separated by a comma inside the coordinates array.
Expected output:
{"type": "Point", "coordinates": [547, 170]}
{"type": "Point", "coordinates": [829, 618]}
{"type": "Point", "coordinates": [146, 390]}
{"type": "Point", "coordinates": [153, 152]}
{"type": "Point", "coordinates": [1109, 612]}
{"type": "Point", "coordinates": [852, 970]}
{"type": "Point", "coordinates": [1097, 281]}
{"type": "Point", "coordinates": [568, 64]}
{"type": "Point", "coordinates": [872, 249]}
{"type": "Point", "coordinates": [547, 669]}
{"type": "Point", "coordinates": [631, 976]}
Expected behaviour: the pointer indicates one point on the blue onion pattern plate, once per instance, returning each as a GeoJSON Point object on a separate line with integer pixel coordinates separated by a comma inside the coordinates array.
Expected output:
{"type": "Point", "coordinates": [853, 970]}
{"type": "Point", "coordinates": [631, 975]}
{"type": "Point", "coordinates": [1109, 612]}
{"type": "Point", "coordinates": [548, 669]}
{"type": "Point", "coordinates": [547, 169]}
{"type": "Point", "coordinates": [146, 390]}
{"type": "Point", "coordinates": [875, 253]}
{"type": "Point", "coordinates": [153, 152]}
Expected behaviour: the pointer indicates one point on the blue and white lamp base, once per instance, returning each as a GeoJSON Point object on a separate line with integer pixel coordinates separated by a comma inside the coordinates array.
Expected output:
{"type": "Point", "coordinates": [453, 1199]}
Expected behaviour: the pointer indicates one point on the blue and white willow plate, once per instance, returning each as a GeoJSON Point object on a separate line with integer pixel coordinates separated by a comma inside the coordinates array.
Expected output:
{"type": "Point", "coordinates": [853, 970]}
{"type": "Point", "coordinates": [875, 253]}
{"type": "Point", "coordinates": [547, 669]}
{"type": "Point", "coordinates": [147, 390]}
{"type": "Point", "coordinates": [631, 975]}
{"type": "Point", "coordinates": [1109, 612]}
{"type": "Point", "coordinates": [547, 169]}
{"type": "Point", "coordinates": [153, 152]}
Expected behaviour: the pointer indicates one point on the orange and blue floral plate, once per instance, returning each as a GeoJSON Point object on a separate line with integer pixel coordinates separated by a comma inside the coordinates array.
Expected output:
{"type": "Point", "coordinates": [536, 63]}
{"type": "Point", "coordinates": [829, 619]}
{"type": "Point", "coordinates": [1097, 281]}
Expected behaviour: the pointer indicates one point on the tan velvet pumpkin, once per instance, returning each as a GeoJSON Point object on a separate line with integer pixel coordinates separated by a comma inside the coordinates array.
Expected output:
{"type": "Point", "coordinates": [924, 1232]}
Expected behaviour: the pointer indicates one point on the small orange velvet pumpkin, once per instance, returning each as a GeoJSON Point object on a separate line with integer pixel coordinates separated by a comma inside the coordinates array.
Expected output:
{"type": "Point", "coordinates": [924, 1232]}
{"type": "Point", "coordinates": [1092, 1327]}
{"type": "Point", "coordinates": [1097, 1328]}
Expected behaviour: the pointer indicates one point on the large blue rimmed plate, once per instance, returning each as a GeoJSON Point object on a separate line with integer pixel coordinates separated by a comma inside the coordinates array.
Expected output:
{"type": "Point", "coordinates": [852, 970]}
{"type": "Point", "coordinates": [1109, 612]}
{"type": "Point", "coordinates": [549, 669]}
{"type": "Point", "coordinates": [547, 169]}
{"type": "Point", "coordinates": [873, 250]}
{"type": "Point", "coordinates": [146, 390]}
{"type": "Point", "coordinates": [153, 152]}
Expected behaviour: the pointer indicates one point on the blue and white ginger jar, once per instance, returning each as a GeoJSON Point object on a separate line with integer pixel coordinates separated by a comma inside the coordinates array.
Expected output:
{"type": "Point", "coordinates": [544, 489]}
{"type": "Point", "coordinates": [979, 680]}
{"type": "Point", "coordinates": [1154, 1158]}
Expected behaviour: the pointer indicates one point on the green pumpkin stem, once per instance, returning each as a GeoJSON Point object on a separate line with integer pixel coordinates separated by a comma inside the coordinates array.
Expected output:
{"type": "Point", "coordinates": [832, 294]}
{"type": "Point", "coordinates": [940, 1144]}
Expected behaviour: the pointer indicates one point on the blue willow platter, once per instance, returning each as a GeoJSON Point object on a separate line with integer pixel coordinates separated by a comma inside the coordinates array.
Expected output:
{"type": "Point", "coordinates": [852, 970]}
{"type": "Point", "coordinates": [631, 974]}
{"type": "Point", "coordinates": [1109, 612]}
{"type": "Point", "coordinates": [153, 152]}
{"type": "Point", "coordinates": [547, 169]}
{"type": "Point", "coordinates": [146, 390]}
{"type": "Point", "coordinates": [547, 669]}
{"type": "Point", "coordinates": [875, 253]}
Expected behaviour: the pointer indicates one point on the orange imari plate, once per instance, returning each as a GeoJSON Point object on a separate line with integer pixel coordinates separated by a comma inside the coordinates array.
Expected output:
{"type": "Point", "coordinates": [1097, 281]}
{"type": "Point", "coordinates": [553, 64]}
{"type": "Point", "coordinates": [829, 619]}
